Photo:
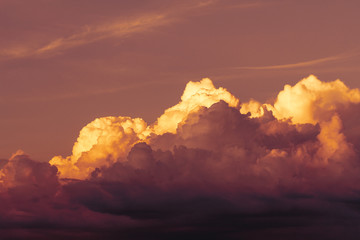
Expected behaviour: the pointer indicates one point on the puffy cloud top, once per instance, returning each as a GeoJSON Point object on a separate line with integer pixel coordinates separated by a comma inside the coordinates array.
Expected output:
{"type": "Point", "coordinates": [312, 101]}
{"type": "Point", "coordinates": [196, 95]}
{"type": "Point", "coordinates": [101, 143]}
{"type": "Point", "coordinates": [205, 168]}
{"type": "Point", "coordinates": [109, 139]}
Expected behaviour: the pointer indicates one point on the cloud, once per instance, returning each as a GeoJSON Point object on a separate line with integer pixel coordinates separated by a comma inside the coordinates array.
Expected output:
{"type": "Point", "coordinates": [108, 139]}
{"type": "Point", "coordinates": [315, 102]}
{"type": "Point", "coordinates": [196, 94]}
{"type": "Point", "coordinates": [303, 64]}
{"type": "Point", "coordinates": [101, 143]}
{"type": "Point", "coordinates": [84, 93]}
{"type": "Point", "coordinates": [215, 168]}
{"type": "Point", "coordinates": [114, 28]}
{"type": "Point", "coordinates": [91, 33]}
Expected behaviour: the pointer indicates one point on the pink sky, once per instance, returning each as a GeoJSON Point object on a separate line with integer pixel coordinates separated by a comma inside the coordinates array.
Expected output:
{"type": "Point", "coordinates": [64, 63]}
{"type": "Point", "coordinates": [189, 119]}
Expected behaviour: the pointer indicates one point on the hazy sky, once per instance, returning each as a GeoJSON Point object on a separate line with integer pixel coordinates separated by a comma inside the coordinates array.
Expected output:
{"type": "Point", "coordinates": [64, 63]}
{"type": "Point", "coordinates": [189, 119]}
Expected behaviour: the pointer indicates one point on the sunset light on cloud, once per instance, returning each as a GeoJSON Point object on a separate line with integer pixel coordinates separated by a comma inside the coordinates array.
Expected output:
{"type": "Point", "coordinates": [108, 140]}
{"type": "Point", "coordinates": [179, 120]}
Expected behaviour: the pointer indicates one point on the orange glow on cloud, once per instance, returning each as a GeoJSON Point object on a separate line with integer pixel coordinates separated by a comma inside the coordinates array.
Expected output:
{"type": "Point", "coordinates": [209, 146]}
{"type": "Point", "coordinates": [315, 102]}
{"type": "Point", "coordinates": [101, 143]}
{"type": "Point", "coordinates": [202, 120]}
{"type": "Point", "coordinates": [107, 140]}
{"type": "Point", "coordinates": [196, 95]}
{"type": "Point", "coordinates": [309, 101]}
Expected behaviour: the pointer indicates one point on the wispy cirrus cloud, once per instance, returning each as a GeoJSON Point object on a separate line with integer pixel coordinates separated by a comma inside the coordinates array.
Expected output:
{"type": "Point", "coordinates": [83, 93]}
{"type": "Point", "coordinates": [90, 34]}
{"type": "Point", "coordinates": [115, 28]}
{"type": "Point", "coordinates": [313, 62]}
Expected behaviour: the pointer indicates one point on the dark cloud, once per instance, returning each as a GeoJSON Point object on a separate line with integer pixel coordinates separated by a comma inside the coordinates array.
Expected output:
{"type": "Point", "coordinates": [222, 175]}
{"type": "Point", "coordinates": [216, 178]}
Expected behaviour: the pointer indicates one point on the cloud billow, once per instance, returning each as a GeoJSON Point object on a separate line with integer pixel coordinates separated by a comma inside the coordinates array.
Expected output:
{"type": "Point", "coordinates": [209, 167]}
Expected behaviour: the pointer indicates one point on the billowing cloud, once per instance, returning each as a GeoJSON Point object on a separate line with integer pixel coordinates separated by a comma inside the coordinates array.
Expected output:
{"type": "Point", "coordinates": [196, 95]}
{"type": "Point", "coordinates": [101, 143]}
{"type": "Point", "coordinates": [209, 167]}
{"type": "Point", "coordinates": [109, 139]}
{"type": "Point", "coordinates": [315, 102]}
{"type": "Point", "coordinates": [309, 101]}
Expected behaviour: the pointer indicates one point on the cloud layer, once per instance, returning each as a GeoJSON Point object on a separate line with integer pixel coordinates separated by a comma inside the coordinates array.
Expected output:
{"type": "Point", "coordinates": [209, 167]}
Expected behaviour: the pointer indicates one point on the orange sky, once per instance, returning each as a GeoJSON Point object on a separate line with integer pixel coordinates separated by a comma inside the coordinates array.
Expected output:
{"type": "Point", "coordinates": [64, 63]}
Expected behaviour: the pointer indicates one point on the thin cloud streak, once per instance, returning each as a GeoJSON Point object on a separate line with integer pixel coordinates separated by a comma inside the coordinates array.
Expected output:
{"type": "Point", "coordinates": [89, 34]}
{"type": "Point", "coordinates": [75, 95]}
{"type": "Point", "coordinates": [120, 28]}
{"type": "Point", "coordinates": [97, 32]}
{"type": "Point", "coordinates": [301, 64]}
{"type": "Point", "coordinates": [252, 5]}
{"type": "Point", "coordinates": [93, 34]}
{"type": "Point", "coordinates": [113, 29]}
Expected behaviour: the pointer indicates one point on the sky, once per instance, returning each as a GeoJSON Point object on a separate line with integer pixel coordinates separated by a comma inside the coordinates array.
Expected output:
{"type": "Point", "coordinates": [64, 63]}
{"type": "Point", "coordinates": [203, 118]}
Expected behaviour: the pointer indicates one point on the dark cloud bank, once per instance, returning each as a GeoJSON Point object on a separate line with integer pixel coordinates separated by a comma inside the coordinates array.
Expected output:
{"type": "Point", "coordinates": [223, 175]}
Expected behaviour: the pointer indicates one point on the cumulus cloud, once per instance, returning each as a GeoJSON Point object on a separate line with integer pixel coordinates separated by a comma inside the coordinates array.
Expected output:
{"type": "Point", "coordinates": [209, 167]}
{"type": "Point", "coordinates": [196, 95]}
{"type": "Point", "coordinates": [101, 143]}
{"type": "Point", "coordinates": [315, 102]}
{"type": "Point", "coordinates": [109, 139]}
